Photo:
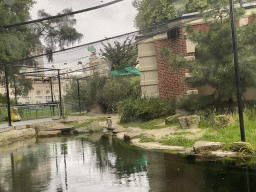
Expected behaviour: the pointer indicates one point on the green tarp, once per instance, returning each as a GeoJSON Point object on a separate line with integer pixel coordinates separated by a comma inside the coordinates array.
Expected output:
{"type": "Point", "coordinates": [126, 71]}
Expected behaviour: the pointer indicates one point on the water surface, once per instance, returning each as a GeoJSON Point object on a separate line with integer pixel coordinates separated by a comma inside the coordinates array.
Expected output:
{"type": "Point", "coordinates": [94, 163]}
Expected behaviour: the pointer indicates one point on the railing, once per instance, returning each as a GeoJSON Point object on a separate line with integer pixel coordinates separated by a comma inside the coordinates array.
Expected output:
{"type": "Point", "coordinates": [32, 111]}
{"type": "Point", "coordinates": [75, 107]}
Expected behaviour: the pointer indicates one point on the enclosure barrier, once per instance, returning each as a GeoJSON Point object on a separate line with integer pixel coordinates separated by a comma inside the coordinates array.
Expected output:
{"type": "Point", "coordinates": [33, 111]}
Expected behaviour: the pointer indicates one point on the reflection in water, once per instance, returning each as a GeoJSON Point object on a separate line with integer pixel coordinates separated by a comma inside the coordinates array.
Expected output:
{"type": "Point", "coordinates": [98, 164]}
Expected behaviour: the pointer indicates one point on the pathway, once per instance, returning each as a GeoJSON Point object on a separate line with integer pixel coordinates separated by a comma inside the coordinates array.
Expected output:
{"type": "Point", "coordinates": [22, 124]}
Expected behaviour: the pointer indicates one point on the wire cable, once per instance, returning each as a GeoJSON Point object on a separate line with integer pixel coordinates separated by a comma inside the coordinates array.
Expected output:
{"type": "Point", "coordinates": [60, 15]}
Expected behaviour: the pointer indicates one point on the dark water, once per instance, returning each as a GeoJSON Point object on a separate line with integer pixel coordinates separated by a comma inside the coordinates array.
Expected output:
{"type": "Point", "coordinates": [98, 164]}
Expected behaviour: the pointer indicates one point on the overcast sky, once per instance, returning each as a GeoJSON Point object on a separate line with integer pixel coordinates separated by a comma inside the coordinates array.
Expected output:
{"type": "Point", "coordinates": [113, 20]}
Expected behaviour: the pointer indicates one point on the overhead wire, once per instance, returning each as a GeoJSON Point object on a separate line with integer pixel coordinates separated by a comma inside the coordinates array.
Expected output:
{"type": "Point", "coordinates": [60, 15]}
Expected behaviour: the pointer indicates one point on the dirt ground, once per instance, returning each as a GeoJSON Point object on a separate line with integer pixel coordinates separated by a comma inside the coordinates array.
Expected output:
{"type": "Point", "coordinates": [158, 133]}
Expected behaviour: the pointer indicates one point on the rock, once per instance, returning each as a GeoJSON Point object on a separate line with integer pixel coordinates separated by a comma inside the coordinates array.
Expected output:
{"type": "Point", "coordinates": [131, 135]}
{"type": "Point", "coordinates": [49, 133]}
{"type": "Point", "coordinates": [203, 146]}
{"type": "Point", "coordinates": [119, 129]}
{"type": "Point", "coordinates": [94, 127]}
{"type": "Point", "coordinates": [82, 130]}
{"type": "Point", "coordinates": [224, 120]}
{"type": "Point", "coordinates": [189, 122]}
{"type": "Point", "coordinates": [172, 119]}
{"type": "Point", "coordinates": [240, 146]}
{"type": "Point", "coordinates": [30, 126]}
{"type": "Point", "coordinates": [9, 137]}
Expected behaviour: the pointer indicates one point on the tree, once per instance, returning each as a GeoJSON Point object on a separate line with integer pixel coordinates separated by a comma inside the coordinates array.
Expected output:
{"type": "Point", "coordinates": [23, 41]}
{"type": "Point", "coordinates": [121, 55]}
{"type": "Point", "coordinates": [153, 12]}
{"type": "Point", "coordinates": [57, 33]}
{"type": "Point", "coordinates": [107, 92]}
{"type": "Point", "coordinates": [16, 42]}
{"type": "Point", "coordinates": [214, 62]}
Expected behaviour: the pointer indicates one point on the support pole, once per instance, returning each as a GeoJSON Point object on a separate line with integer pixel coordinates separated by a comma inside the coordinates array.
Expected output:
{"type": "Point", "coordinates": [7, 94]}
{"type": "Point", "coordinates": [60, 93]}
{"type": "Point", "coordinates": [78, 93]}
{"type": "Point", "coordinates": [15, 90]}
{"type": "Point", "coordinates": [52, 96]}
{"type": "Point", "coordinates": [239, 99]}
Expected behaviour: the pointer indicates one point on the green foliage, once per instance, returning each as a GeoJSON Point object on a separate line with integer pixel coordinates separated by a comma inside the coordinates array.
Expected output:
{"type": "Point", "coordinates": [57, 32]}
{"type": "Point", "coordinates": [22, 41]}
{"type": "Point", "coordinates": [214, 65]}
{"type": "Point", "coordinates": [153, 124]}
{"type": "Point", "coordinates": [14, 42]}
{"type": "Point", "coordinates": [177, 141]}
{"type": "Point", "coordinates": [196, 5]}
{"type": "Point", "coordinates": [165, 52]}
{"type": "Point", "coordinates": [90, 91]}
{"type": "Point", "coordinates": [121, 54]}
{"type": "Point", "coordinates": [250, 113]}
{"type": "Point", "coordinates": [107, 92]}
{"type": "Point", "coordinates": [146, 140]}
{"type": "Point", "coordinates": [117, 89]}
{"type": "Point", "coordinates": [145, 109]}
{"type": "Point", "coordinates": [183, 133]}
{"type": "Point", "coordinates": [152, 12]}
{"type": "Point", "coordinates": [3, 114]}
{"type": "Point", "coordinates": [207, 103]}
{"type": "Point", "coordinates": [3, 100]}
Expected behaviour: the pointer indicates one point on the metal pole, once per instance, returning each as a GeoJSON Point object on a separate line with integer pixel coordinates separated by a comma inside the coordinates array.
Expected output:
{"type": "Point", "coordinates": [239, 99]}
{"type": "Point", "coordinates": [7, 94]}
{"type": "Point", "coordinates": [60, 92]}
{"type": "Point", "coordinates": [52, 96]}
{"type": "Point", "coordinates": [15, 90]}
{"type": "Point", "coordinates": [78, 93]}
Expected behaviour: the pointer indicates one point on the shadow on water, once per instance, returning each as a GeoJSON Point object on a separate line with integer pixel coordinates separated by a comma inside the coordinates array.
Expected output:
{"type": "Point", "coordinates": [96, 163]}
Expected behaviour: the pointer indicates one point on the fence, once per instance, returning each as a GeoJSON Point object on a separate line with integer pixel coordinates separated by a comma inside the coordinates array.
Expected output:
{"type": "Point", "coordinates": [75, 107]}
{"type": "Point", "coordinates": [32, 111]}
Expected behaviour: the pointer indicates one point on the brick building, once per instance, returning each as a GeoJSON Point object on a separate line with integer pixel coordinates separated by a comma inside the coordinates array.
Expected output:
{"type": "Point", "coordinates": [156, 78]}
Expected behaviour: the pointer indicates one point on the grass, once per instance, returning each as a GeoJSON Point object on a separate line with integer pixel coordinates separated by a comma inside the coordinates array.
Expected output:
{"type": "Point", "coordinates": [231, 134]}
{"type": "Point", "coordinates": [3, 122]}
{"type": "Point", "coordinates": [153, 124]}
{"type": "Point", "coordinates": [146, 140]}
{"type": "Point", "coordinates": [183, 133]}
{"type": "Point", "coordinates": [177, 141]}
{"type": "Point", "coordinates": [35, 113]}
{"type": "Point", "coordinates": [89, 121]}
{"type": "Point", "coordinates": [78, 114]}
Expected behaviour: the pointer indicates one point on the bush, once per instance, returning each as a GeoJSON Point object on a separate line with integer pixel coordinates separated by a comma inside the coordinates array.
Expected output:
{"type": "Point", "coordinates": [193, 103]}
{"type": "Point", "coordinates": [3, 114]}
{"type": "Point", "coordinates": [145, 109]}
{"type": "Point", "coordinates": [250, 113]}
{"type": "Point", "coordinates": [105, 91]}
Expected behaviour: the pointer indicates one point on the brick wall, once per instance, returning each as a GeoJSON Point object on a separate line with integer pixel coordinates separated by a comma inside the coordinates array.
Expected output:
{"type": "Point", "coordinates": [171, 84]}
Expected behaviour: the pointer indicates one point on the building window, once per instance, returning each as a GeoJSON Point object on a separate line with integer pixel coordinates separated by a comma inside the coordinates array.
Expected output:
{"type": "Point", "coordinates": [47, 92]}
{"type": "Point", "coordinates": [38, 92]}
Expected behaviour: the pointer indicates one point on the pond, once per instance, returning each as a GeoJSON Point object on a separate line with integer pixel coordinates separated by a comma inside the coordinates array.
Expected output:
{"type": "Point", "coordinates": [95, 163]}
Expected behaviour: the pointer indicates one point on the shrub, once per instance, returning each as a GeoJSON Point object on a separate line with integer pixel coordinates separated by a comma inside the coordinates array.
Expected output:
{"type": "Point", "coordinates": [193, 103]}
{"type": "Point", "coordinates": [3, 114]}
{"type": "Point", "coordinates": [250, 113]}
{"type": "Point", "coordinates": [145, 109]}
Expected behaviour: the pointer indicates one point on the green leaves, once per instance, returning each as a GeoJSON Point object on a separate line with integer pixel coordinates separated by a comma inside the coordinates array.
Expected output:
{"type": "Point", "coordinates": [121, 54]}
{"type": "Point", "coordinates": [152, 12]}
{"type": "Point", "coordinates": [57, 32]}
